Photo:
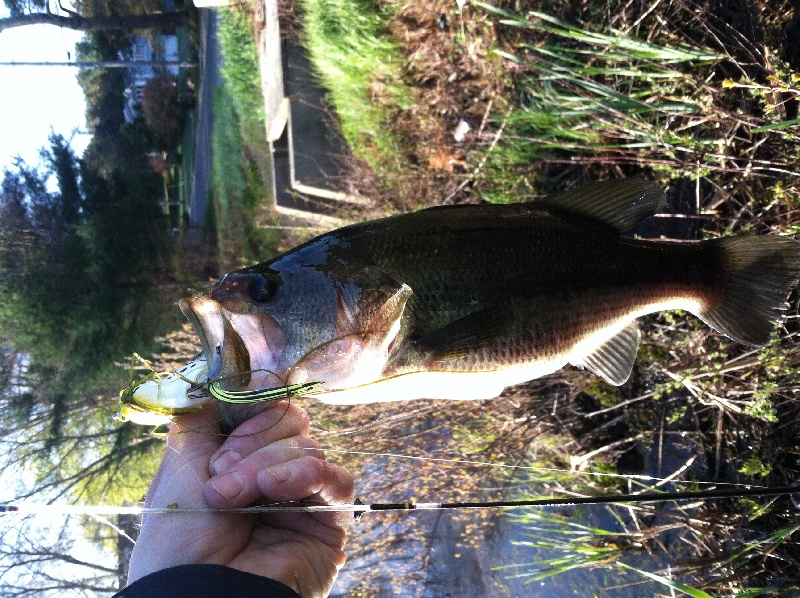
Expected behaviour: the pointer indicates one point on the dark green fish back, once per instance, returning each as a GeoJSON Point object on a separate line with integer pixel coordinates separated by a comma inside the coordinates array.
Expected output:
{"type": "Point", "coordinates": [500, 284]}
{"type": "Point", "coordinates": [535, 285]}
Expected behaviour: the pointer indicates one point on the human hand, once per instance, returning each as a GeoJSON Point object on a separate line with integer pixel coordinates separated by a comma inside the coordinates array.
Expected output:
{"type": "Point", "coordinates": [268, 458]}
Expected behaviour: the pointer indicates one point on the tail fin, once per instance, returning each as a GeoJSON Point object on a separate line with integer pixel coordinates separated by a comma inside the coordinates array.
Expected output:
{"type": "Point", "coordinates": [759, 273]}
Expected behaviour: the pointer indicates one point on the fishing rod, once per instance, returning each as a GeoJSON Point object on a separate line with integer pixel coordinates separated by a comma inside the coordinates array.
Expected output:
{"type": "Point", "coordinates": [358, 508]}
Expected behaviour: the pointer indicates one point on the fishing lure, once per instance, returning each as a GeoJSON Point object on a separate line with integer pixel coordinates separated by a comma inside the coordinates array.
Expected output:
{"type": "Point", "coordinates": [158, 397]}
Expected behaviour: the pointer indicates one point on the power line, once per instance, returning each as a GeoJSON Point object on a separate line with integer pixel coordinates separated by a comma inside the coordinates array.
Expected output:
{"type": "Point", "coordinates": [108, 64]}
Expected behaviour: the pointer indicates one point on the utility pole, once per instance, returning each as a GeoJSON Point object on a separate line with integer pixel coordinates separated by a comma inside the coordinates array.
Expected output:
{"type": "Point", "coordinates": [108, 64]}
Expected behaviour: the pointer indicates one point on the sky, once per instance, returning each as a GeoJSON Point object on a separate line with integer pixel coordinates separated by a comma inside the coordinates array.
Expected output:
{"type": "Point", "coordinates": [33, 102]}
{"type": "Point", "coordinates": [36, 100]}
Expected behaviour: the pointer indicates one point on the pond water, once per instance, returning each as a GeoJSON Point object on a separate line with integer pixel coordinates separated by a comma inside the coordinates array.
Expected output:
{"type": "Point", "coordinates": [506, 552]}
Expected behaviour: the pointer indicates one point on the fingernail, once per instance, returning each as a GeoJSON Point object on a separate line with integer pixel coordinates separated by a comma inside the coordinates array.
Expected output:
{"type": "Point", "coordinates": [280, 472]}
{"type": "Point", "coordinates": [225, 461]}
{"type": "Point", "coordinates": [229, 485]}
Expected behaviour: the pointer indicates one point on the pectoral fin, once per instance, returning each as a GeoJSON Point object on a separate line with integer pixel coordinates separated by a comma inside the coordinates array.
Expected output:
{"type": "Point", "coordinates": [465, 335]}
{"type": "Point", "coordinates": [613, 360]}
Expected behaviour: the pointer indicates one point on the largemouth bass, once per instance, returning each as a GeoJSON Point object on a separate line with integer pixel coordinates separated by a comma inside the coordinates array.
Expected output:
{"type": "Point", "coordinates": [459, 302]}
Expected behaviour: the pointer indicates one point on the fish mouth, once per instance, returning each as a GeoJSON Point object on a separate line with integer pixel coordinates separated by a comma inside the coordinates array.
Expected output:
{"type": "Point", "coordinates": [243, 350]}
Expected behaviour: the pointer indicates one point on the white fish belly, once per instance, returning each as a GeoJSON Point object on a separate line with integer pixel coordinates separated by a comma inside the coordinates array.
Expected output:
{"type": "Point", "coordinates": [478, 385]}
{"type": "Point", "coordinates": [456, 386]}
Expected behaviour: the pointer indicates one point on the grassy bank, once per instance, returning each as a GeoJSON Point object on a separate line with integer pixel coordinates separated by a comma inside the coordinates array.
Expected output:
{"type": "Point", "coordinates": [241, 175]}
{"type": "Point", "coordinates": [601, 101]}
{"type": "Point", "coordinates": [359, 64]}
{"type": "Point", "coordinates": [400, 84]}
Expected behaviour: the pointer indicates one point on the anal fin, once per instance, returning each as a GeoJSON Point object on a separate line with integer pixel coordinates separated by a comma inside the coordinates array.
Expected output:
{"type": "Point", "coordinates": [613, 360]}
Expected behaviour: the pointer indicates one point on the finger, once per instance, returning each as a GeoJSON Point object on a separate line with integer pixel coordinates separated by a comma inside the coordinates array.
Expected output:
{"type": "Point", "coordinates": [283, 420]}
{"type": "Point", "coordinates": [199, 429]}
{"type": "Point", "coordinates": [318, 481]}
{"type": "Point", "coordinates": [179, 481]}
{"type": "Point", "coordinates": [329, 527]}
{"type": "Point", "coordinates": [306, 476]}
{"type": "Point", "coordinates": [191, 441]}
{"type": "Point", "coordinates": [237, 487]}
{"type": "Point", "coordinates": [284, 471]}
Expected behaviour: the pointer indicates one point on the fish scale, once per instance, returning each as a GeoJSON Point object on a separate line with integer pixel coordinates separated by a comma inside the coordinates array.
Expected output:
{"type": "Point", "coordinates": [458, 302]}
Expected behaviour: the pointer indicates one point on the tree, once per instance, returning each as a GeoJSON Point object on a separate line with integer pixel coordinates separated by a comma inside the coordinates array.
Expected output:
{"type": "Point", "coordinates": [75, 264]}
{"type": "Point", "coordinates": [104, 89]}
{"type": "Point", "coordinates": [161, 110]}
{"type": "Point", "coordinates": [99, 461]}
{"type": "Point", "coordinates": [44, 562]}
{"type": "Point", "coordinates": [16, 228]}
{"type": "Point", "coordinates": [74, 269]}
{"type": "Point", "coordinates": [65, 168]}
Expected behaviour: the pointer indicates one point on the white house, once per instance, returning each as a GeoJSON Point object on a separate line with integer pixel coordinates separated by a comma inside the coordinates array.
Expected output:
{"type": "Point", "coordinates": [147, 48]}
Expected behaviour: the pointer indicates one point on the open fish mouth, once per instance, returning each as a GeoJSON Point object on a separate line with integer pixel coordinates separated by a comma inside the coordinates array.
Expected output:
{"type": "Point", "coordinates": [208, 324]}
{"type": "Point", "coordinates": [243, 350]}
{"type": "Point", "coordinates": [243, 347]}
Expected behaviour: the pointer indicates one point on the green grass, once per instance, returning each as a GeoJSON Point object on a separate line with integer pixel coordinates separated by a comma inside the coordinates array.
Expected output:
{"type": "Point", "coordinates": [240, 166]}
{"type": "Point", "coordinates": [242, 75]}
{"type": "Point", "coordinates": [611, 96]}
{"type": "Point", "coordinates": [238, 190]}
{"type": "Point", "coordinates": [360, 67]}
{"type": "Point", "coordinates": [185, 174]}
{"type": "Point", "coordinates": [227, 172]}
{"type": "Point", "coordinates": [612, 99]}
{"type": "Point", "coordinates": [573, 545]}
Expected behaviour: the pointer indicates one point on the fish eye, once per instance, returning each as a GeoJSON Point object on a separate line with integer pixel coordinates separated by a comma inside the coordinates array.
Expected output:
{"type": "Point", "coordinates": [262, 289]}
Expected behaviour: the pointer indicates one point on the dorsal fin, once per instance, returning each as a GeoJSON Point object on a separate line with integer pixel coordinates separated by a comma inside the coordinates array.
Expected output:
{"type": "Point", "coordinates": [613, 360]}
{"type": "Point", "coordinates": [621, 203]}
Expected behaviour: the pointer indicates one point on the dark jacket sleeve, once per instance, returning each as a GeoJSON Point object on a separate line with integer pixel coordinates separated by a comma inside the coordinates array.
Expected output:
{"type": "Point", "coordinates": [205, 581]}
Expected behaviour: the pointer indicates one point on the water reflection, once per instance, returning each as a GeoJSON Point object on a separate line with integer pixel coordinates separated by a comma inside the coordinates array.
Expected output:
{"type": "Point", "coordinates": [469, 554]}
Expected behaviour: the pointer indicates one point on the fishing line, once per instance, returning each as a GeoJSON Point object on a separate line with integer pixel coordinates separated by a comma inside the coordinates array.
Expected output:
{"type": "Point", "coordinates": [470, 462]}
{"type": "Point", "coordinates": [637, 477]}
{"type": "Point", "coordinates": [359, 509]}
{"type": "Point", "coordinates": [290, 391]}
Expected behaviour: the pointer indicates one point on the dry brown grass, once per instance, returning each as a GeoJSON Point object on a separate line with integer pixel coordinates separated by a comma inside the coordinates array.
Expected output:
{"type": "Point", "coordinates": [732, 405]}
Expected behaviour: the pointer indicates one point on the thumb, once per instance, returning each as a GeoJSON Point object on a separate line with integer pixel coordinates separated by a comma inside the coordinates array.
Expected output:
{"type": "Point", "coordinates": [192, 439]}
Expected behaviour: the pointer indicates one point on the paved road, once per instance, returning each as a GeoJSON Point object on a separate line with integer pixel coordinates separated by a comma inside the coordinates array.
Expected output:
{"type": "Point", "coordinates": [209, 79]}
